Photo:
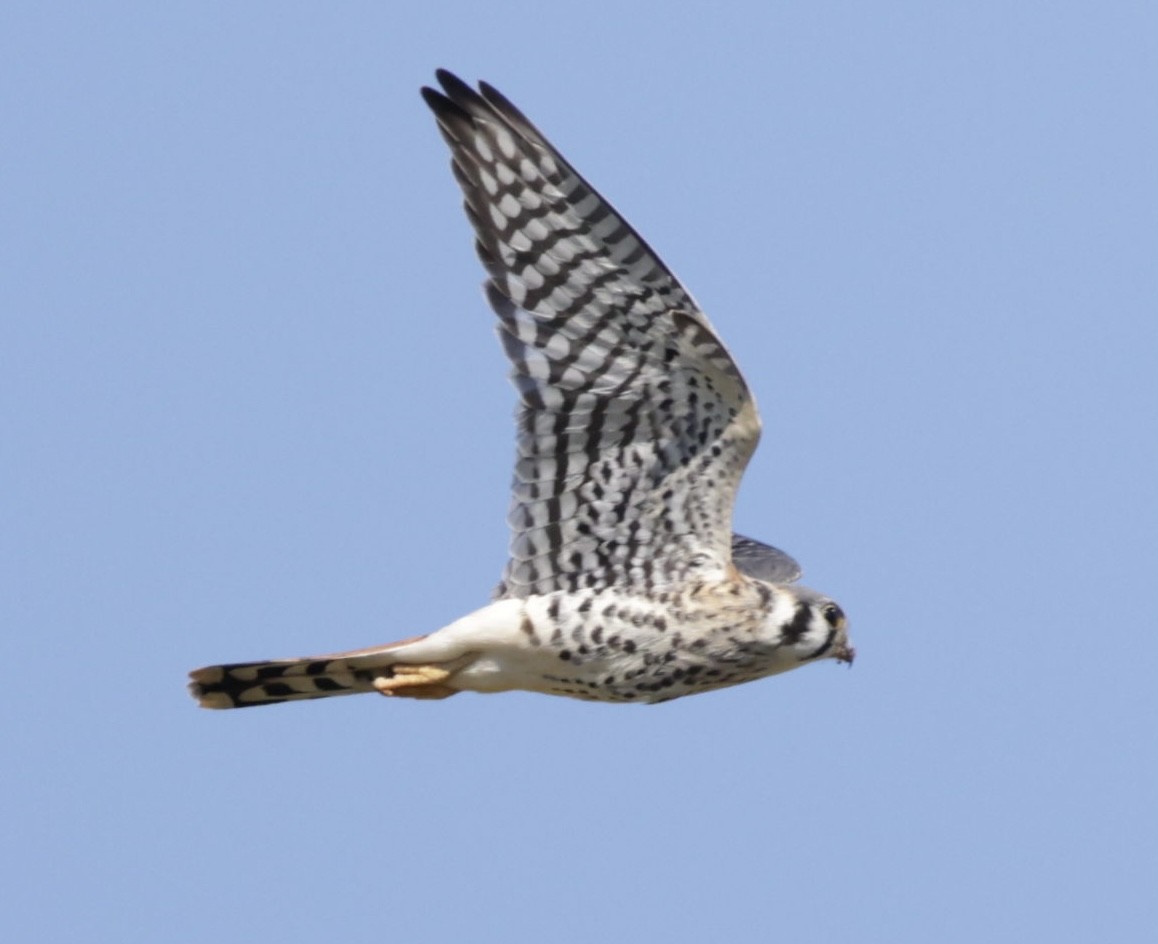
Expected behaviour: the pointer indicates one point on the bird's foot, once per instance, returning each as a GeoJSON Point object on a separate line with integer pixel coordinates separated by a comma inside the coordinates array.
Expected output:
{"type": "Point", "coordinates": [416, 681]}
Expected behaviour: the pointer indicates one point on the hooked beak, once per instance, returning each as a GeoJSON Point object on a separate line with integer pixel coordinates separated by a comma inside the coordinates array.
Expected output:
{"type": "Point", "coordinates": [846, 654]}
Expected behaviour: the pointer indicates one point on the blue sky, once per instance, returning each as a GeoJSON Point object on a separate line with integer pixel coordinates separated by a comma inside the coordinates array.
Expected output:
{"type": "Point", "coordinates": [252, 406]}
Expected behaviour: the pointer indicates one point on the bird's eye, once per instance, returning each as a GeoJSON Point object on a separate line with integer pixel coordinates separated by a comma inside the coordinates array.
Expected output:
{"type": "Point", "coordinates": [834, 615]}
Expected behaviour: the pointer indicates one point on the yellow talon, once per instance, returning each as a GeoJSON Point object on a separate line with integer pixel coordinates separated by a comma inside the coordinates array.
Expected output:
{"type": "Point", "coordinates": [415, 681]}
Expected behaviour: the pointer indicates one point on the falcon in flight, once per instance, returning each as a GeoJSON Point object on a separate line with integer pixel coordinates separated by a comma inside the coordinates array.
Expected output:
{"type": "Point", "coordinates": [625, 582]}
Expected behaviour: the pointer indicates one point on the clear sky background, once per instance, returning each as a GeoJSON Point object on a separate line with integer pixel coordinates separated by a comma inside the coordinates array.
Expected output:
{"type": "Point", "coordinates": [252, 407]}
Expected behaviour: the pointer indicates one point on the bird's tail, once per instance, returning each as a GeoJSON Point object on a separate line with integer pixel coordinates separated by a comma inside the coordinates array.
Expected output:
{"type": "Point", "coordinates": [247, 684]}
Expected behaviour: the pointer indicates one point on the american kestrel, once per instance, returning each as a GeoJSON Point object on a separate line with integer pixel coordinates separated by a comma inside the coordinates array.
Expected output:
{"type": "Point", "coordinates": [625, 582]}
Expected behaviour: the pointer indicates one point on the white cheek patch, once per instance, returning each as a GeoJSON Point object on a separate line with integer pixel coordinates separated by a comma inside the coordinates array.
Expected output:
{"type": "Point", "coordinates": [783, 608]}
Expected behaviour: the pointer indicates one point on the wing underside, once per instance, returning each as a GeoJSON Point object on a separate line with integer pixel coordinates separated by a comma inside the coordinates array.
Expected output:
{"type": "Point", "coordinates": [634, 424]}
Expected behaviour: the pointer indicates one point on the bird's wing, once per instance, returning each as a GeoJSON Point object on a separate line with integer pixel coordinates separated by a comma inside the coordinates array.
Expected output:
{"type": "Point", "coordinates": [763, 561]}
{"type": "Point", "coordinates": [635, 424]}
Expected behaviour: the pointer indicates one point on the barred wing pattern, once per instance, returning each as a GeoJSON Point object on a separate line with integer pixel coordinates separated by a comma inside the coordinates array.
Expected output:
{"type": "Point", "coordinates": [635, 425]}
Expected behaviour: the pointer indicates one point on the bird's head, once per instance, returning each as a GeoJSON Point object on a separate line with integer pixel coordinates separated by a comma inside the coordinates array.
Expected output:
{"type": "Point", "coordinates": [807, 626]}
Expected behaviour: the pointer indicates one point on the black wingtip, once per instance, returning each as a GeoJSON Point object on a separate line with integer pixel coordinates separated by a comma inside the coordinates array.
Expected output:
{"type": "Point", "coordinates": [456, 89]}
{"type": "Point", "coordinates": [455, 98]}
{"type": "Point", "coordinates": [503, 105]}
{"type": "Point", "coordinates": [437, 97]}
{"type": "Point", "coordinates": [433, 97]}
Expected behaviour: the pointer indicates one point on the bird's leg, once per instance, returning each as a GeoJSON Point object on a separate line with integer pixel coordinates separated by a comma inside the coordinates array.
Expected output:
{"type": "Point", "coordinates": [419, 681]}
